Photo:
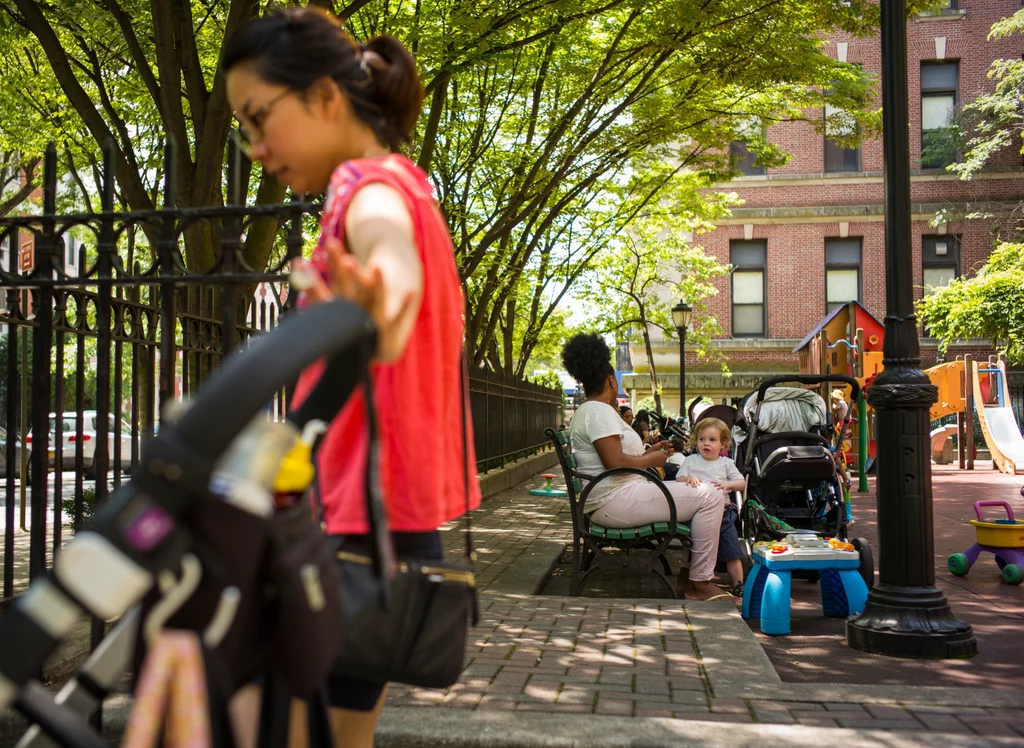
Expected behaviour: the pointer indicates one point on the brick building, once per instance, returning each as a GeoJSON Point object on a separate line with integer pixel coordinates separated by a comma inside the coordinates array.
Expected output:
{"type": "Point", "coordinates": [810, 234]}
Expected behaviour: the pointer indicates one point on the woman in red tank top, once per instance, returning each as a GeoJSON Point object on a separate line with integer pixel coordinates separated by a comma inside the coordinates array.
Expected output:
{"type": "Point", "coordinates": [322, 113]}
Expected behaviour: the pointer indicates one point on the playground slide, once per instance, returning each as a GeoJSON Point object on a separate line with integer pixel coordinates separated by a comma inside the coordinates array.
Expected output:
{"type": "Point", "coordinates": [1003, 438]}
{"type": "Point", "coordinates": [998, 424]}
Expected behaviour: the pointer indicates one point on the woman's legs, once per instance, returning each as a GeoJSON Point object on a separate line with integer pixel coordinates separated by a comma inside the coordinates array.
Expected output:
{"type": "Point", "coordinates": [642, 502]}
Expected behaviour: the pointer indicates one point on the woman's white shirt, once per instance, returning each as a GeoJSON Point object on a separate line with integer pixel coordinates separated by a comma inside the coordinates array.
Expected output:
{"type": "Point", "coordinates": [596, 420]}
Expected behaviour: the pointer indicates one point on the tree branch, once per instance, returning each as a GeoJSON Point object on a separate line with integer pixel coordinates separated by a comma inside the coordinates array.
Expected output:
{"type": "Point", "coordinates": [25, 191]}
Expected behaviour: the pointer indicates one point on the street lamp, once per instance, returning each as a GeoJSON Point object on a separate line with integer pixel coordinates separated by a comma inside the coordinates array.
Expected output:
{"type": "Point", "coordinates": [681, 314]}
{"type": "Point", "coordinates": [906, 615]}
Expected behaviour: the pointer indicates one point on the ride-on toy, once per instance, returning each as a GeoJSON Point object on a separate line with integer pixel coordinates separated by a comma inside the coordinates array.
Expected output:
{"type": "Point", "coordinates": [1003, 538]}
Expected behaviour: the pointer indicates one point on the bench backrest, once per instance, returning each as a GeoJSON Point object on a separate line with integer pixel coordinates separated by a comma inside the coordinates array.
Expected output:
{"type": "Point", "coordinates": [573, 481]}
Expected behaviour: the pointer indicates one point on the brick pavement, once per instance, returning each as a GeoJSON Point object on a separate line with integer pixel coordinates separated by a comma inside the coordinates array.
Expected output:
{"type": "Point", "coordinates": [655, 658]}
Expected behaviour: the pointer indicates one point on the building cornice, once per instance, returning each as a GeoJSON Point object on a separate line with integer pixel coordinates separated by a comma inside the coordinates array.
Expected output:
{"type": "Point", "coordinates": [871, 213]}
{"type": "Point", "coordinates": [859, 177]}
{"type": "Point", "coordinates": [943, 15]}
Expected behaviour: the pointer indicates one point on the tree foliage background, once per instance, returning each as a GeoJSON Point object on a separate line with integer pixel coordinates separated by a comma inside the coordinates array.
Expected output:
{"type": "Point", "coordinates": [549, 125]}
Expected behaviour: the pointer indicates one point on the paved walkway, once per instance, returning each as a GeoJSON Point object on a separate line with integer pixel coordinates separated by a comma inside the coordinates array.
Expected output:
{"type": "Point", "coordinates": [660, 658]}
{"type": "Point", "coordinates": [817, 651]}
{"type": "Point", "coordinates": [551, 670]}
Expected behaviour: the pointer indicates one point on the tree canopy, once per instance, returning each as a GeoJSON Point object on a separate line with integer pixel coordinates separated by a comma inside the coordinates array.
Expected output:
{"type": "Point", "coordinates": [549, 125]}
{"type": "Point", "coordinates": [989, 306]}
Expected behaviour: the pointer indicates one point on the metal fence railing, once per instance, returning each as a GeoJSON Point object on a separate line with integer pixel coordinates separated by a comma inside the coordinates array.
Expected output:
{"type": "Point", "coordinates": [135, 330]}
{"type": "Point", "coordinates": [509, 417]}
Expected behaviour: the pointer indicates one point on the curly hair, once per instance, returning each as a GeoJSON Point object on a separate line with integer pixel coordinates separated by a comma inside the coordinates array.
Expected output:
{"type": "Point", "coordinates": [587, 359]}
{"type": "Point", "coordinates": [710, 423]}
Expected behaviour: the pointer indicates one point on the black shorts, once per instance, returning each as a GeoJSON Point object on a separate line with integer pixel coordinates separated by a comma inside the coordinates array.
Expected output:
{"type": "Point", "coordinates": [728, 540]}
{"type": "Point", "coordinates": [362, 695]}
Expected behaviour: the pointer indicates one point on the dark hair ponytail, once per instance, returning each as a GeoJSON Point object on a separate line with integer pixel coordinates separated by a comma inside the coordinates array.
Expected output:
{"type": "Point", "coordinates": [295, 47]}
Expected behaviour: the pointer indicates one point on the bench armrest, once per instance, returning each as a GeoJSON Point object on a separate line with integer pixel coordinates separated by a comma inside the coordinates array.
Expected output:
{"type": "Point", "coordinates": [594, 480]}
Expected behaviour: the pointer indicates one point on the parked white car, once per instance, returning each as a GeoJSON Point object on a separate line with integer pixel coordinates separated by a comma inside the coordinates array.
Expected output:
{"type": "Point", "coordinates": [69, 435]}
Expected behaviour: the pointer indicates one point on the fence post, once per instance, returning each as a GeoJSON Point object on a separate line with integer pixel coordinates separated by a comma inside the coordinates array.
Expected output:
{"type": "Point", "coordinates": [969, 409]}
{"type": "Point", "coordinates": [230, 240]}
{"type": "Point", "coordinates": [42, 344]}
{"type": "Point", "coordinates": [166, 247]}
{"type": "Point", "coordinates": [15, 427]}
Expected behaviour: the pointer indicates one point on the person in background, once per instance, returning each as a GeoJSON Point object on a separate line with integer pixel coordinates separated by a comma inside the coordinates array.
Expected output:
{"type": "Point", "coordinates": [643, 430]}
{"type": "Point", "coordinates": [627, 414]}
{"type": "Point", "coordinates": [601, 441]}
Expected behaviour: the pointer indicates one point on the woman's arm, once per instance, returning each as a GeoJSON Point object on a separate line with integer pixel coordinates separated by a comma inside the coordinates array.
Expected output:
{"type": "Point", "coordinates": [381, 271]}
{"type": "Point", "coordinates": [380, 234]}
{"type": "Point", "coordinates": [609, 449]}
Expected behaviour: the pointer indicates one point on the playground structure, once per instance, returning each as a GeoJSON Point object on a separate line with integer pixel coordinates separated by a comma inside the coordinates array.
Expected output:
{"type": "Point", "coordinates": [849, 341]}
{"type": "Point", "coordinates": [969, 389]}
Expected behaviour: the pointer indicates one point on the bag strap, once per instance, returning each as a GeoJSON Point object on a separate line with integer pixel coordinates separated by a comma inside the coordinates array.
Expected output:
{"type": "Point", "coordinates": [381, 552]}
{"type": "Point", "coordinates": [466, 467]}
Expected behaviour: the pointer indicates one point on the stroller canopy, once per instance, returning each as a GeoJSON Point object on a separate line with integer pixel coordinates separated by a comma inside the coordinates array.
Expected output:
{"type": "Point", "coordinates": [784, 409]}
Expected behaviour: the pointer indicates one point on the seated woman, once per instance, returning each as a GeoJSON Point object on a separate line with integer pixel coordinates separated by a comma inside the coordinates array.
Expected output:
{"type": "Point", "coordinates": [601, 441]}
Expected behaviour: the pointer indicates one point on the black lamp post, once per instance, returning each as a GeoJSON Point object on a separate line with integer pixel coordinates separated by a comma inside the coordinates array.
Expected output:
{"type": "Point", "coordinates": [906, 614]}
{"type": "Point", "coordinates": [681, 314]}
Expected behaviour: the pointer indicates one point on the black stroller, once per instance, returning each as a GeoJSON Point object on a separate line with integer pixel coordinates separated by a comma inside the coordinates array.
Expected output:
{"type": "Point", "coordinates": [783, 438]}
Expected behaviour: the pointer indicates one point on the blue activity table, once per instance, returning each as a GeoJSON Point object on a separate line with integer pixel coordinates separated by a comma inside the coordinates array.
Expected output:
{"type": "Point", "coordinates": [766, 593]}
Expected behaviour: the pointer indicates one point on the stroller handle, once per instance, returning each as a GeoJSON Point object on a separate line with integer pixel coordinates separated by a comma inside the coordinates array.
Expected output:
{"type": "Point", "coordinates": [809, 379]}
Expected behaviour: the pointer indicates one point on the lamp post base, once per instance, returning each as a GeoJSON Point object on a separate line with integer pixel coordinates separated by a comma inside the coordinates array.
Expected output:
{"type": "Point", "coordinates": [911, 622]}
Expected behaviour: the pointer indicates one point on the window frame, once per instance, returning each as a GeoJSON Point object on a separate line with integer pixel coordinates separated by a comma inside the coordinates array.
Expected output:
{"type": "Point", "coordinates": [859, 267]}
{"type": "Point", "coordinates": [935, 93]}
{"type": "Point", "coordinates": [748, 267]}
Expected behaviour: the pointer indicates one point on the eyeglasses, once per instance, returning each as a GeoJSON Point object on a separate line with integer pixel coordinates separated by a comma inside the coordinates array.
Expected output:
{"type": "Point", "coordinates": [250, 137]}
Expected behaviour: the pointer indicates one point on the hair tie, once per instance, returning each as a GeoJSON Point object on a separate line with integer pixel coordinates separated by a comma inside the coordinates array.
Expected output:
{"type": "Point", "coordinates": [364, 58]}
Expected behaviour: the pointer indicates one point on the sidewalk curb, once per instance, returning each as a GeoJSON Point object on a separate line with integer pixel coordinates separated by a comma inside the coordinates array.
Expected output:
{"type": "Point", "coordinates": [510, 476]}
{"type": "Point", "coordinates": [721, 634]}
{"type": "Point", "coordinates": [439, 727]}
{"type": "Point", "coordinates": [412, 727]}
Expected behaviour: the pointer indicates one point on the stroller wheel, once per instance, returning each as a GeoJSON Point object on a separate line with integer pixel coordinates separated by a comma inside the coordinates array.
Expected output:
{"type": "Point", "coordinates": [867, 561]}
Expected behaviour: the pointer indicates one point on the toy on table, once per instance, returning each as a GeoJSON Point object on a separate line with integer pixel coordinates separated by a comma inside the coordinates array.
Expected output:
{"type": "Point", "coordinates": [548, 489]}
{"type": "Point", "coordinates": [1003, 538]}
{"type": "Point", "coordinates": [766, 593]}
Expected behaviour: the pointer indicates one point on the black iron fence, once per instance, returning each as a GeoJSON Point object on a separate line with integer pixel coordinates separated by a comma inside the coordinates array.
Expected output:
{"type": "Point", "coordinates": [509, 417]}
{"type": "Point", "coordinates": [91, 358]}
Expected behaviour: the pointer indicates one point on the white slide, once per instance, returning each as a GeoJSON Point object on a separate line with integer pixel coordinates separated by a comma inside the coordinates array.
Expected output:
{"type": "Point", "coordinates": [1004, 439]}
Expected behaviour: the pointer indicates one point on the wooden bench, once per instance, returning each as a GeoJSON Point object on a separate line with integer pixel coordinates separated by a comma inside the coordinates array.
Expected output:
{"type": "Point", "coordinates": [590, 540]}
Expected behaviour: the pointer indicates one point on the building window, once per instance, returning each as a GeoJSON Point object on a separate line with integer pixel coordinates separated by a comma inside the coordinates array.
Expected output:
{"type": "Point", "coordinates": [938, 101]}
{"type": "Point", "coordinates": [839, 123]}
{"type": "Point", "coordinates": [749, 286]}
{"type": "Point", "coordinates": [743, 160]}
{"type": "Point", "coordinates": [842, 272]}
{"type": "Point", "coordinates": [70, 252]}
{"type": "Point", "coordinates": [940, 256]}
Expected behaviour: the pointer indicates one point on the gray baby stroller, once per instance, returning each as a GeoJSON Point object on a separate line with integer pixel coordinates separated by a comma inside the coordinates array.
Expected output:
{"type": "Point", "coordinates": [784, 447]}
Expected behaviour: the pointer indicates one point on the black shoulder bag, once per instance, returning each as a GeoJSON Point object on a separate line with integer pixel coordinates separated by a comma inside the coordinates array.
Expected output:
{"type": "Point", "coordinates": [409, 625]}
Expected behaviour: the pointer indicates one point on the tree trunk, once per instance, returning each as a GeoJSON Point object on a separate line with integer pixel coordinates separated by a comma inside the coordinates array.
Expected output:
{"type": "Point", "coordinates": [650, 358]}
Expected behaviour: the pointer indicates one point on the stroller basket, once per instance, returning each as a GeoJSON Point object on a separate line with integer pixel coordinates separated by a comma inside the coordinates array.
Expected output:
{"type": "Point", "coordinates": [799, 466]}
